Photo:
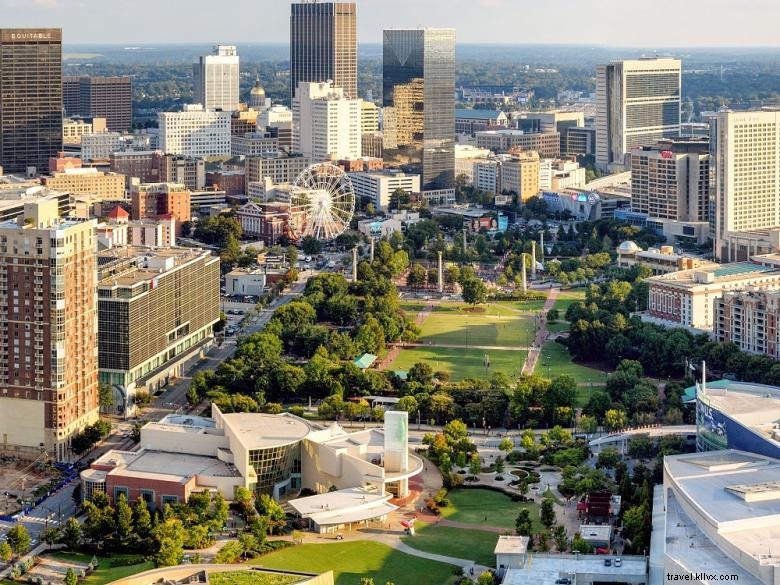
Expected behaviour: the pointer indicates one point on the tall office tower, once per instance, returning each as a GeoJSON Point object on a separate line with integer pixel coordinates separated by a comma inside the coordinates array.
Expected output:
{"type": "Point", "coordinates": [747, 183]}
{"type": "Point", "coordinates": [419, 102]}
{"type": "Point", "coordinates": [326, 124]}
{"type": "Point", "coordinates": [195, 131]}
{"type": "Point", "coordinates": [100, 97]}
{"type": "Point", "coordinates": [162, 201]}
{"type": "Point", "coordinates": [323, 44]}
{"type": "Point", "coordinates": [637, 104]}
{"type": "Point", "coordinates": [30, 97]}
{"type": "Point", "coordinates": [671, 180]}
{"type": "Point", "coordinates": [48, 331]}
{"type": "Point", "coordinates": [216, 79]}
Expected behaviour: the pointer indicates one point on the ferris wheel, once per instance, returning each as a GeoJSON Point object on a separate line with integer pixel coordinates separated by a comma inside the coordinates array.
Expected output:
{"type": "Point", "coordinates": [322, 203]}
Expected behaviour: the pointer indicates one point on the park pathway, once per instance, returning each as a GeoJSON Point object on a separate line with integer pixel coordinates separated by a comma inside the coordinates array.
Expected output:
{"type": "Point", "coordinates": [541, 333]}
{"type": "Point", "coordinates": [463, 346]}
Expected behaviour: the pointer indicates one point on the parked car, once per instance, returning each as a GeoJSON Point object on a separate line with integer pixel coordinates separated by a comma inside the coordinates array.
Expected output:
{"type": "Point", "coordinates": [607, 562]}
{"type": "Point", "coordinates": [618, 562]}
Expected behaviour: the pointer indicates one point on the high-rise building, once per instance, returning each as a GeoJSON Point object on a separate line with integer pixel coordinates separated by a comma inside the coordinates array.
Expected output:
{"type": "Point", "coordinates": [180, 288]}
{"type": "Point", "coordinates": [520, 175]}
{"type": "Point", "coordinates": [419, 104]}
{"type": "Point", "coordinates": [48, 331]}
{"type": "Point", "coordinates": [100, 97]}
{"type": "Point", "coordinates": [671, 180]}
{"type": "Point", "coordinates": [750, 320]}
{"type": "Point", "coordinates": [747, 184]}
{"type": "Point", "coordinates": [323, 45]}
{"type": "Point", "coordinates": [30, 97]}
{"type": "Point", "coordinates": [186, 170]}
{"type": "Point", "coordinates": [216, 79]}
{"type": "Point", "coordinates": [195, 131]}
{"type": "Point", "coordinates": [637, 104]}
{"type": "Point", "coordinates": [326, 124]}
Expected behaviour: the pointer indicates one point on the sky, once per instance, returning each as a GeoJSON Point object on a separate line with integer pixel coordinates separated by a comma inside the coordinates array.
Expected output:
{"type": "Point", "coordinates": [623, 23]}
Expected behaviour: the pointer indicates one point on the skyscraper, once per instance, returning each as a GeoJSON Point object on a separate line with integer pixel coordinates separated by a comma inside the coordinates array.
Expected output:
{"type": "Point", "coordinates": [747, 182]}
{"type": "Point", "coordinates": [100, 97]}
{"type": "Point", "coordinates": [48, 331]}
{"type": "Point", "coordinates": [326, 125]}
{"type": "Point", "coordinates": [216, 79]}
{"type": "Point", "coordinates": [323, 45]}
{"type": "Point", "coordinates": [30, 97]}
{"type": "Point", "coordinates": [419, 101]}
{"type": "Point", "coordinates": [637, 104]}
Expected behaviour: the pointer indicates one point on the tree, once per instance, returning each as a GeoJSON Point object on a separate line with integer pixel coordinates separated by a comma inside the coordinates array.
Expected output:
{"type": "Point", "coordinates": [105, 395]}
{"type": "Point", "coordinates": [70, 577]}
{"type": "Point", "coordinates": [19, 539]}
{"type": "Point", "coordinates": [416, 277]}
{"type": "Point", "coordinates": [311, 245]}
{"type": "Point", "coordinates": [71, 533]}
{"type": "Point", "coordinates": [579, 544]}
{"type": "Point", "coordinates": [475, 466]}
{"type": "Point", "coordinates": [124, 518]}
{"type": "Point", "coordinates": [292, 255]}
{"type": "Point", "coordinates": [486, 578]}
{"type": "Point", "coordinates": [615, 419]}
{"type": "Point", "coordinates": [421, 372]}
{"type": "Point", "coordinates": [523, 523]}
{"type": "Point", "coordinates": [408, 404]}
{"type": "Point", "coordinates": [230, 553]}
{"type": "Point", "coordinates": [366, 581]}
{"type": "Point", "coordinates": [268, 507]}
{"type": "Point", "coordinates": [553, 315]}
{"type": "Point", "coordinates": [608, 458]}
{"type": "Point", "coordinates": [170, 542]}
{"type": "Point", "coordinates": [51, 535]}
{"type": "Point", "coordinates": [560, 538]}
{"type": "Point", "coordinates": [547, 512]}
{"type": "Point", "coordinates": [142, 519]}
{"type": "Point", "coordinates": [506, 445]}
{"type": "Point", "coordinates": [5, 552]}
{"type": "Point", "coordinates": [588, 424]}
{"type": "Point", "coordinates": [474, 291]}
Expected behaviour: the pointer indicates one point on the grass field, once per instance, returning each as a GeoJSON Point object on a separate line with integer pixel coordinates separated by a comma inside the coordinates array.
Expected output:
{"type": "Point", "coordinates": [558, 326]}
{"type": "Point", "coordinates": [461, 363]}
{"type": "Point", "coordinates": [352, 560]}
{"type": "Point", "coordinates": [500, 324]}
{"type": "Point", "coordinates": [105, 573]}
{"type": "Point", "coordinates": [251, 578]}
{"type": "Point", "coordinates": [567, 297]}
{"type": "Point", "coordinates": [487, 507]}
{"type": "Point", "coordinates": [557, 357]}
{"type": "Point", "coordinates": [475, 545]}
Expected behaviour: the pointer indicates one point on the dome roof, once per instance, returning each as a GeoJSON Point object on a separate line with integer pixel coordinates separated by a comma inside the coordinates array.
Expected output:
{"type": "Point", "coordinates": [628, 247]}
{"type": "Point", "coordinates": [257, 89]}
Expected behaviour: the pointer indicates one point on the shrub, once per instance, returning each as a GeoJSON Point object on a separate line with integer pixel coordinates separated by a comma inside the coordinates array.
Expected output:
{"type": "Point", "coordinates": [432, 506]}
{"type": "Point", "coordinates": [127, 561]}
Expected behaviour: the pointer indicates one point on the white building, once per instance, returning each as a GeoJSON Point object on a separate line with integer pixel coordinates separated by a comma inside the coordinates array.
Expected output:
{"type": "Point", "coordinates": [100, 145]}
{"type": "Point", "coordinates": [254, 144]}
{"type": "Point", "coordinates": [276, 115]}
{"type": "Point", "coordinates": [216, 79]}
{"type": "Point", "coordinates": [465, 157]}
{"type": "Point", "coordinates": [326, 125]}
{"type": "Point", "coordinates": [545, 174]}
{"type": "Point", "coordinates": [747, 188]}
{"type": "Point", "coordinates": [195, 131]}
{"type": "Point", "coordinates": [380, 185]}
{"type": "Point", "coordinates": [637, 104]}
{"type": "Point", "coordinates": [245, 282]}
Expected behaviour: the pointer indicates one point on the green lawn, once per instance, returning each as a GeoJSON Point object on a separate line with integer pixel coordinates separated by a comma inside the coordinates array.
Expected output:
{"type": "Point", "coordinates": [411, 308]}
{"type": "Point", "coordinates": [251, 578]}
{"type": "Point", "coordinates": [352, 560]}
{"type": "Point", "coordinates": [567, 297]}
{"type": "Point", "coordinates": [462, 363]}
{"type": "Point", "coordinates": [475, 545]}
{"type": "Point", "coordinates": [555, 360]}
{"type": "Point", "coordinates": [474, 506]}
{"type": "Point", "coordinates": [558, 326]}
{"type": "Point", "coordinates": [105, 573]}
{"type": "Point", "coordinates": [493, 324]}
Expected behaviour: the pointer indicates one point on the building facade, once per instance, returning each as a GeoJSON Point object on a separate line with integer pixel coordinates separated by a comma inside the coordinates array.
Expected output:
{"type": "Point", "coordinates": [88, 181]}
{"type": "Point", "coordinates": [216, 78]}
{"type": "Point", "coordinates": [265, 221]}
{"type": "Point", "coordinates": [747, 185]}
{"type": "Point", "coordinates": [637, 104]}
{"type": "Point", "coordinates": [100, 97]}
{"type": "Point", "coordinates": [547, 144]}
{"type": "Point", "coordinates": [378, 187]}
{"type": "Point", "coordinates": [161, 200]}
{"type": "Point", "coordinates": [195, 131]}
{"type": "Point", "coordinates": [323, 45]}
{"type": "Point", "coordinates": [671, 180]}
{"type": "Point", "coordinates": [419, 105]}
{"type": "Point", "coordinates": [30, 97]}
{"type": "Point", "coordinates": [48, 332]}
{"type": "Point", "coordinates": [326, 124]}
{"type": "Point", "coordinates": [141, 164]}
{"type": "Point", "coordinates": [186, 170]}
{"type": "Point", "coordinates": [156, 310]}
{"type": "Point", "coordinates": [750, 320]}
{"type": "Point", "coordinates": [278, 168]}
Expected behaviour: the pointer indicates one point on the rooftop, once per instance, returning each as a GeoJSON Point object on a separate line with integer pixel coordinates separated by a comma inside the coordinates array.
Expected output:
{"type": "Point", "coordinates": [150, 263]}
{"type": "Point", "coordinates": [477, 114]}
{"type": "Point", "coordinates": [160, 465]}
{"type": "Point", "coordinates": [724, 273]}
{"type": "Point", "coordinates": [262, 431]}
{"type": "Point", "coordinates": [511, 545]}
{"type": "Point", "coordinates": [541, 569]}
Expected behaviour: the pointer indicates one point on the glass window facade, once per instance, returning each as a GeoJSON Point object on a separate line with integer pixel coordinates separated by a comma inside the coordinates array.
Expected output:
{"type": "Point", "coordinates": [419, 99]}
{"type": "Point", "coordinates": [274, 465]}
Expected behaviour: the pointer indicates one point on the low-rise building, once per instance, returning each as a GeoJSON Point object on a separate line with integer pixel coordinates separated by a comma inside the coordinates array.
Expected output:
{"type": "Point", "coordinates": [662, 260]}
{"type": "Point", "coordinates": [470, 122]}
{"type": "Point", "coordinates": [161, 200]}
{"type": "Point", "coordinates": [379, 186]}
{"type": "Point", "coordinates": [156, 310]}
{"type": "Point", "coordinates": [186, 170]}
{"type": "Point", "coordinates": [143, 165]}
{"type": "Point", "coordinates": [548, 145]}
{"type": "Point", "coordinates": [687, 298]}
{"type": "Point", "coordinates": [279, 168]}
{"type": "Point", "coordinates": [88, 181]}
{"type": "Point", "coordinates": [265, 221]}
{"type": "Point", "coordinates": [558, 569]}
{"type": "Point", "coordinates": [73, 129]}
{"type": "Point", "coordinates": [242, 282]}
{"type": "Point", "coordinates": [231, 182]}
{"type": "Point", "coordinates": [381, 227]}
{"type": "Point", "coordinates": [254, 144]}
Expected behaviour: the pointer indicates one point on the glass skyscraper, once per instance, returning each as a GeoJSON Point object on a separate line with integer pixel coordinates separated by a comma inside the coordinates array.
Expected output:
{"type": "Point", "coordinates": [323, 45]}
{"type": "Point", "coordinates": [419, 104]}
{"type": "Point", "coordinates": [30, 97]}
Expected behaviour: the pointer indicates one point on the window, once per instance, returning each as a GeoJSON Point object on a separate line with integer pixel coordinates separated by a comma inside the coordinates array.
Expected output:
{"type": "Point", "coordinates": [172, 500]}
{"type": "Point", "coordinates": [147, 496]}
{"type": "Point", "coordinates": [121, 490]}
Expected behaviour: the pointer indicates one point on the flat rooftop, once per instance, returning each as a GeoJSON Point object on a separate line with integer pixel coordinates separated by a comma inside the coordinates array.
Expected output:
{"type": "Point", "coordinates": [723, 273]}
{"type": "Point", "coordinates": [161, 465]}
{"type": "Point", "coordinates": [542, 569]}
{"type": "Point", "coordinates": [151, 263]}
{"type": "Point", "coordinates": [262, 431]}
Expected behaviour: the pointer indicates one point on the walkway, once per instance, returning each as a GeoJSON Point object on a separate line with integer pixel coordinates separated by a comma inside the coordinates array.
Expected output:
{"type": "Point", "coordinates": [541, 333]}
{"type": "Point", "coordinates": [463, 346]}
{"type": "Point", "coordinates": [395, 349]}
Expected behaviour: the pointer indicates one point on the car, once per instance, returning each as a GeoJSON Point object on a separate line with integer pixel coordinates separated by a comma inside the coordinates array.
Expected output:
{"type": "Point", "coordinates": [563, 581]}
{"type": "Point", "coordinates": [607, 562]}
{"type": "Point", "coordinates": [618, 562]}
